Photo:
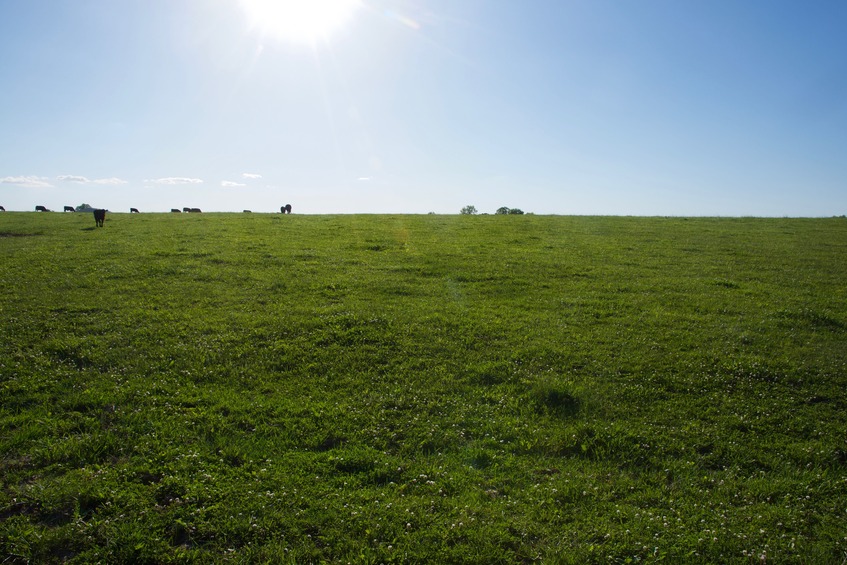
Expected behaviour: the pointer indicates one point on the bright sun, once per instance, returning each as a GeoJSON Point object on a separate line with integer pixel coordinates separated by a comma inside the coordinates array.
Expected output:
{"type": "Point", "coordinates": [299, 21]}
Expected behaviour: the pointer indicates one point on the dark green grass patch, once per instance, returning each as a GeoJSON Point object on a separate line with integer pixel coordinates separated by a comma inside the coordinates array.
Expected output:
{"type": "Point", "coordinates": [474, 389]}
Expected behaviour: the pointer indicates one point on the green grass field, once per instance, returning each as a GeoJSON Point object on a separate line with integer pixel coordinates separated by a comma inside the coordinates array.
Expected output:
{"type": "Point", "coordinates": [407, 389]}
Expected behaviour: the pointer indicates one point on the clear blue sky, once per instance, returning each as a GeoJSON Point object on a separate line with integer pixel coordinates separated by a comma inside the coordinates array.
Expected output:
{"type": "Point", "coordinates": [641, 107]}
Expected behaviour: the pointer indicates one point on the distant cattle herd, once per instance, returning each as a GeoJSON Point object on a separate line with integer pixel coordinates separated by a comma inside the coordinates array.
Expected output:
{"type": "Point", "coordinates": [100, 214]}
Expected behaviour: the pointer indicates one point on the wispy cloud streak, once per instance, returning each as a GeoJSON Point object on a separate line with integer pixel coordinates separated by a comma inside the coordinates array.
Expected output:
{"type": "Point", "coordinates": [78, 179]}
{"type": "Point", "coordinates": [30, 181]}
{"type": "Point", "coordinates": [112, 181]}
{"type": "Point", "coordinates": [175, 180]}
{"type": "Point", "coordinates": [72, 178]}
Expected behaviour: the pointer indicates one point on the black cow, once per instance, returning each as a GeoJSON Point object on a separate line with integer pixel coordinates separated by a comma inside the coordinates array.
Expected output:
{"type": "Point", "coordinates": [69, 209]}
{"type": "Point", "coordinates": [99, 217]}
{"type": "Point", "coordinates": [186, 209]}
{"type": "Point", "coordinates": [41, 209]}
{"type": "Point", "coordinates": [176, 210]}
{"type": "Point", "coordinates": [195, 210]}
{"type": "Point", "coordinates": [2, 209]}
{"type": "Point", "coordinates": [247, 212]}
{"type": "Point", "coordinates": [286, 209]}
{"type": "Point", "coordinates": [134, 210]}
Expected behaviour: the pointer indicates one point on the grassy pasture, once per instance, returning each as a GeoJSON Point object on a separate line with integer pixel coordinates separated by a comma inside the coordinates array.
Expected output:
{"type": "Point", "coordinates": [454, 389]}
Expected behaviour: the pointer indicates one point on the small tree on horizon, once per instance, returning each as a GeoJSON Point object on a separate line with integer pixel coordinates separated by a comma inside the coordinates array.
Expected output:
{"type": "Point", "coordinates": [506, 210]}
{"type": "Point", "coordinates": [470, 209]}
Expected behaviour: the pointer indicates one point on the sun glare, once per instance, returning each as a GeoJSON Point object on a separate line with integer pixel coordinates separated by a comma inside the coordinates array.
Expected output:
{"type": "Point", "coordinates": [298, 21]}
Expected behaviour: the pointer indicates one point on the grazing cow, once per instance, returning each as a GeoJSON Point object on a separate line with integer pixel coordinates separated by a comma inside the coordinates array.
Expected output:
{"type": "Point", "coordinates": [134, 211]}
{"type": "Point", "coordinates": [247, 212]}
{"type": "Point", "coordinates": [41, 209]}
{"type": "Point", "coordinates": [286, 209]}
{"type": "Point", "coordinates": [195, 210]}
{"type": "Point", "coordinates": [69, 209]}
{"type": "Point", "coordinates": [99, 217]}
{"type": "Point", "coordinates": [186, 209]}
{"type": "Point", "coordinates": [2, 209]}
{"type": "Point", "coordinates": [176, 210]}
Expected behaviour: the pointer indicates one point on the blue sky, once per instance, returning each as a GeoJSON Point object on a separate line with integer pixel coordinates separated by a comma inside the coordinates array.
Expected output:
{"type": "Point", "coordinates": [649, 107]}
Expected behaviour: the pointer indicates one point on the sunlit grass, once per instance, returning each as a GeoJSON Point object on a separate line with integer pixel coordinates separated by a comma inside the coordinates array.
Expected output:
{"type": "Point", "coordinates": [474, 389]}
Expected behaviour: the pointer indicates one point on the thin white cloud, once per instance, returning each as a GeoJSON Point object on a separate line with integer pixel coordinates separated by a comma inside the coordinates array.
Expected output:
{"type": "Point", "coordinates": [175, 180]}
{"type": "Point", "coordinates": [251, 175]}
{"type": "Point", "coordinates": [112, 181]}
{"type": "Point", "coordinates": [231, 184]}
{"type": "Point", "coordinates": [72, 178]}
{"type": "Point", "coordinates": [30, 181]}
